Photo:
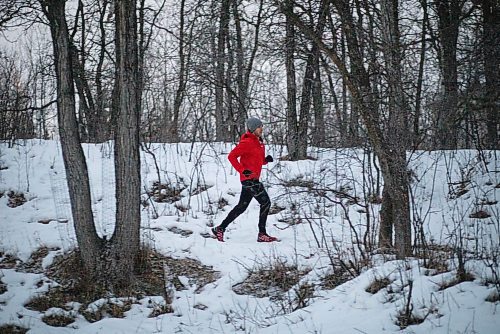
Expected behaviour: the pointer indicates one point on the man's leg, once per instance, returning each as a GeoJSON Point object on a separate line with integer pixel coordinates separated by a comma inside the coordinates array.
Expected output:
{"type": "Point", "coordinates": [245, 198]}
{"type": "Point", "coordinates": [260, 194]}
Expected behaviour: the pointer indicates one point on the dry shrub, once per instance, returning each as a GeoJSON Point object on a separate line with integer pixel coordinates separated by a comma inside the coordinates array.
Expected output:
{"type": "Point", "coordinates": [337, 277]}
{"type": "Point", "coordinates": [268, 280]}
{"type": "Point", "coordinates": [276, 280]}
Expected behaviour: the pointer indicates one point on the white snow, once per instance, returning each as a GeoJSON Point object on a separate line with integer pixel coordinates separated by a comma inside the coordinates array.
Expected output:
{"type": "Point", "coordinates": [36, 169]}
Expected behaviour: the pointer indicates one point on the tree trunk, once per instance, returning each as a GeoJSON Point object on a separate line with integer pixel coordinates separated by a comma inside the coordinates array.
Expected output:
{"type": "Point", "coordinates": [318, 138]}
{"type": "Point", "coordinates": [396, 178]}
{"type": "Point", "coordinates": [491, 54]}
{"type": "Point", "coordinates": [220, 117]}
{"type": "Point", "coordinates": [179, 94]}
{"type": "Point", "coordinates": [74, 159]}
{"type": "Point", "coordinates": [447, 118]}
{"type": "Point", "coordinates": [392, 162]}
{"type": "Point", "coordinates": [126, 238]}
{"type": "Point", "coordinates": [418, 96]}
{"type": "Point", "coordinates": [291, 87]}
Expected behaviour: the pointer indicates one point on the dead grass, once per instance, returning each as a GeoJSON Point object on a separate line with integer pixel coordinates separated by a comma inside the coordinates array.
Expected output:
{"type": "Point", "coordinates": [467, 277]}
{"type": "Point", "coordinates": [403, 320]}
{"type": "Point", "coordinates": [198, 274]}
{"type": "Point", "coordinates": [15, 199]}
{"type": "Point", "coordinates": [337, 277]}
{"type": "Point", "coordinates": [435, 258]}
{"type": "Point", "coordinates": [58, 320]}
{"type": "Point", "coordinates": [378, 284]}
{"type": "Point", "coordinates": [8, 261]}
{"type": "Point", "coordinates": [279, 281]}
{"type": "Point", "coordinates": [269, 279]}
{"type": "Point", "coordinates": [12, 329]}
{"type": "Point", "coordinates": [164, 193]}
{"type": "Point", "coordinates": [56, 297]}
{"type": "Point", "coordinates": [34, 263]}
{"type": "Point", "coordinates": [109, 309]}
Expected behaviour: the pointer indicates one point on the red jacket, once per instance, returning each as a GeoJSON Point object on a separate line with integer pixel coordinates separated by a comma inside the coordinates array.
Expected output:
{"type": "Point", "coordinates": [250, 151]}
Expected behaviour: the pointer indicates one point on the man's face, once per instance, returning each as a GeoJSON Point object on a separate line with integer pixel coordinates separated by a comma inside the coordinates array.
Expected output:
{"type": "Point", "coordinates": [258, 131]}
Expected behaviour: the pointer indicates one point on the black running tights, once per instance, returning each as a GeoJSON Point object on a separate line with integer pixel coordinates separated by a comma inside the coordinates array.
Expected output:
{"type": "Point", "coordinates": [251, 189]}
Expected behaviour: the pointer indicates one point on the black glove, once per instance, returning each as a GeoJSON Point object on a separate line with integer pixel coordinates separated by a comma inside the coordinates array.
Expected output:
{"type": "Point", "coordinates": [247, 172]}
{"type": "Point", "coordinates": [269, 158]}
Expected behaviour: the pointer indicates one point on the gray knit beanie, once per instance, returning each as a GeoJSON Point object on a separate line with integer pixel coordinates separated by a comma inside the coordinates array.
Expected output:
{"type": "Point", "coordinates": [253, 123]}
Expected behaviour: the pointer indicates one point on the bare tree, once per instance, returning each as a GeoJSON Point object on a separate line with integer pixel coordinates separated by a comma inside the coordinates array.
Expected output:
{"type": "Point", "coordinates": [491, 54]}
{"type": "Point", "coordinates": [102, 259]}
{"type": "Point", "coordinates": [391, 155]}
{"type": "Point", "coordinates": [74, 159]}
{"type": "Point", "coordinates": [448, 12]}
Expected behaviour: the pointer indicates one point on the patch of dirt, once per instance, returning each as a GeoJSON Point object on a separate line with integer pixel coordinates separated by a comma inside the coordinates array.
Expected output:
{"type": "Point", "coordinates": [184, 233]}
{"type": "Point", "coordinates": [3, 288]}
{"type": "Point", "coordinates": [481, 214]}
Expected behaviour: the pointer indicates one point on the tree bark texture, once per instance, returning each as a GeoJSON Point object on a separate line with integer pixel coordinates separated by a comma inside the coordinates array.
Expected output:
{"type": "Point", "coordinates": [220, 74]}
{"type": "Point", "coordinates": [491, 54]}
{"type": "Point", "coordinates": [74, 159]}
{"type": "Point", "coordinates": [126, 239]}
{"type": "Point", "coordinates": [447, 116]}
{"type": "Point", "coordinates": [291, 87]}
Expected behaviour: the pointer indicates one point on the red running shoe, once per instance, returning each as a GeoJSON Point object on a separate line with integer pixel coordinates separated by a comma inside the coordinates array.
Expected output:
{"type": "Point", "coordinates": [263, 237]}
{"type": "Point", "coordinates": [219, 233]}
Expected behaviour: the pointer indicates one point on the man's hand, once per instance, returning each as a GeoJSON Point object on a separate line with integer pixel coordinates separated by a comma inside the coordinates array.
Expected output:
{"type": "Point", "coordinates": [247, 172]}
{"type": "Point", "coordinates": [269, 158]}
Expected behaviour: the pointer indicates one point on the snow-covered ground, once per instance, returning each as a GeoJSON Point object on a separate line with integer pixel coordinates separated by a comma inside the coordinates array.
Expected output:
{"type": "Point", "coordinates": [447, 188]}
